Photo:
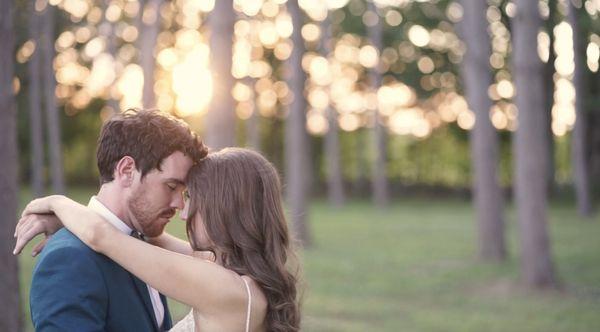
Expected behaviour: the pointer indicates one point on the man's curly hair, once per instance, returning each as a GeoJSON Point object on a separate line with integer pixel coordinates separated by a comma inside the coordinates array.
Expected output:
{"type": "Point", "coordinates": [148, 136]}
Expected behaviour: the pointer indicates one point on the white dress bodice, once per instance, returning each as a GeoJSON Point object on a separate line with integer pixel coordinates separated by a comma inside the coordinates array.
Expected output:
{"type": "Point", "coordinates": [187, 324]}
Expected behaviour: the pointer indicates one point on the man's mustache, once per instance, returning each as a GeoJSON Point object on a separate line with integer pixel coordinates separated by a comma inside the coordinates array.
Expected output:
{"type": "Point", "coordinates": [168, 214]}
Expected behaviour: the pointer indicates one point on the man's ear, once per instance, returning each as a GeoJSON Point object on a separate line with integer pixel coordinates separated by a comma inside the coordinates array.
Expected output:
{"type": "Point", "coordinates": [125, 171]}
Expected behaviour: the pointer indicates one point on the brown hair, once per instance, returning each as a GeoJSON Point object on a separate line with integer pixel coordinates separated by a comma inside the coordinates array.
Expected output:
{"type": "Point", "coordinates": [237, 193]}
{"type": "Point", "coordinates": [148, 136]}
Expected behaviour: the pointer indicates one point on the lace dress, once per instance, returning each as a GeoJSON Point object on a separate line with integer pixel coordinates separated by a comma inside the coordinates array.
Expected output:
{"type": "Point", "coordinates": [187, 323]}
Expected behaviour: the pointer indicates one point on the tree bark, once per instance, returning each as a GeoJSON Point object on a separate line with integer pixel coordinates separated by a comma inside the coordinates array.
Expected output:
{"type": "Point", "coordinates": [10, 311]}
{"type": "Point", "coordinates": [335, 182]}
{"type": "Point", "coordinates": [52, 113]}
{"type": "Point", "coordinates": [111, 48]}
{"type": "Point", "coordinates": [484, 138]}
{"type": "Point", "coordinates": [579, 155]}
{"type": "Point", "coordinates": [149, 34]}
{"type": "Point", "coordinates": [253, 122]}
{"type": "Point", "coordinates": [295, 134]}
{"type": "Point", "coordinates": [594, 129]}
{"type": "Point", "coordinates": [549, 71]}
{"type": "Point", "coordinates": [361, 183]}
{"type": "Point", "coordinates": [220, 118]}
{"type": "Point", "coordinates": [531, 149]}
{"type": "Point", "coordinates": [36, 133]}
{"type": "Point", "coordinates": [378, 171]}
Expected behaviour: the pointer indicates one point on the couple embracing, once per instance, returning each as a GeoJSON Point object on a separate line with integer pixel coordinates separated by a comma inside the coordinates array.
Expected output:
{"type": "Point", "coordinates": [107, 265]}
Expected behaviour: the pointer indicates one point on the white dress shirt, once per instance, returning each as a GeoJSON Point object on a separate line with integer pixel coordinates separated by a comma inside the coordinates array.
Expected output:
{"type": "Point", "coordinates": [98, 207]}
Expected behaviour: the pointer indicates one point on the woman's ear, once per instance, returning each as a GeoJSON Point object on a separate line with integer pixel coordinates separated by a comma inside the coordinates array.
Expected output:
{"type": "Point", "coordinates": [125, 171]}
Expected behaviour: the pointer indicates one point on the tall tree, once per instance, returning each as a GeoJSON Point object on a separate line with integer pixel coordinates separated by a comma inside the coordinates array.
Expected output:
{"type": "Point", "coordinates": [107, 29]}
{"type": "Point", "coordinates": [50, 104]}
{"type": "Point", "coordinates": [36, 131]}
{"type": "Point", "coordinates": [579, 155]}
{"type": "Point", "coordinates": [477, 77]}
{"type": "Point", "coordinates": [149, 34]}
{"type": "Point", "coordinates": [220, 119]}
{"type": "Point", "coordinates": [253, 122]}
{"type": "Point", "coordinates": [10, 310]}
{"type": "Point", "coordinates": [295, 133]}
{"type": "Point", "coordinates": [531, 149]}
{"type": "Point", "coordinates": [378, 171]}
{"type": "Point", "coordinates": [332, 155]}
{"type": "Point", "coordinates": [549, 71]}
{"type": "Point", "coordinates": [361, 182]}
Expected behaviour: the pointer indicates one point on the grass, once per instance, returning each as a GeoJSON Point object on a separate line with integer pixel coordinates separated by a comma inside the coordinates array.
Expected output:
{"type": "Point", "coordinates": [412, 267]}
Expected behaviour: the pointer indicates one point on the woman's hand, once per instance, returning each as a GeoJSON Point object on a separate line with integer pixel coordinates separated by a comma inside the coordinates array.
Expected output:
{"type": "Point", "coordinates": [30, 226]}
{"type": "Point", "coordinates": [205, 255]}
{"type": "Point", "coordinates": [42, 205]}
{"type": "Point", "coordinates": [37, 218]}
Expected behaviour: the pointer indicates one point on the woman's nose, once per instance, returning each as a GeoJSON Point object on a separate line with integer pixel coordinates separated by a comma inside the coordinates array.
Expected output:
{"type": "Point", "coordinates": [184, 212]}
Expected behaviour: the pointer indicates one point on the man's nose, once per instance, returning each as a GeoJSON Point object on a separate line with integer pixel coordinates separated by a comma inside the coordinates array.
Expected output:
{"type": "Point", "coordinates": [178, 202]}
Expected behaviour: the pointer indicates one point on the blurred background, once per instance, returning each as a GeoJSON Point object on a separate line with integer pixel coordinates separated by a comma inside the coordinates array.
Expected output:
{"type": "Point", "coordinates": [440, 159]}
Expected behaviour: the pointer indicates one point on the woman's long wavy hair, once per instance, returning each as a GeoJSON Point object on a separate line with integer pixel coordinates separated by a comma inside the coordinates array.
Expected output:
{"type": "Point", "coordinates": [237, 193]}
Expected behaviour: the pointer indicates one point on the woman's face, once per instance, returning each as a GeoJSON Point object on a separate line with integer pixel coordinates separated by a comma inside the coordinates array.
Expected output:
{"type": "Point", "coordinates": [200, 235]}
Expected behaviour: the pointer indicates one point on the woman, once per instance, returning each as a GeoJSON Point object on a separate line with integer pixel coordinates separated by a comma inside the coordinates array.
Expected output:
{"type": "Point", "coordinates": [233, 212]}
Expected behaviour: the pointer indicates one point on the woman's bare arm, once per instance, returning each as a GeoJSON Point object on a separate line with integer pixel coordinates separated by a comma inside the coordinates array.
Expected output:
{"type": "Point", "coordinates": [202, 284]}
{"type": "Point", "coordinates": [31, 225]}
{"type": "Point", "coordinates": [172, 243]}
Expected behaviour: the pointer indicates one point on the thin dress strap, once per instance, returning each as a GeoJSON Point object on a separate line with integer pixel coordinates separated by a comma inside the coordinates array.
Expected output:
{"type": "Point", "coordinates": [249, 305]}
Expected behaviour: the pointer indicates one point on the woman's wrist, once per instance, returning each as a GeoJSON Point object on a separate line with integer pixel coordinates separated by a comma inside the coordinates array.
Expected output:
{"type": "Point", "coordinates": [56, 202]}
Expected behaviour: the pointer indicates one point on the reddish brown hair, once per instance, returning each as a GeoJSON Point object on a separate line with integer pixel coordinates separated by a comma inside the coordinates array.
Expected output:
{"type": "Point", "coordinates": [237, 193]}
{"type": "Point", "coordinates": [148, 136]}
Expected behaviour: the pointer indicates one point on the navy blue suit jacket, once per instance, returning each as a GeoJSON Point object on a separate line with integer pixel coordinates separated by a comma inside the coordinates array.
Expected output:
{"type": "Point", "coordinates": [76, 289]}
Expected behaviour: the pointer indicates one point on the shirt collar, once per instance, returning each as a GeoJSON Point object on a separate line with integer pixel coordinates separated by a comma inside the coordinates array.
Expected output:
{"type": "Point", "coordinates": [102, 210]}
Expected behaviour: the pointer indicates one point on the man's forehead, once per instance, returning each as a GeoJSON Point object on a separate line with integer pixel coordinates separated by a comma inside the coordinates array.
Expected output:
{"type": "Point", "coordinates": [177, 162]}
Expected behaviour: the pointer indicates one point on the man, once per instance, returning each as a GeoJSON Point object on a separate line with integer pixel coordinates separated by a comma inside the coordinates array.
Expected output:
{"type": "Point", "coordinates": [143, 159]}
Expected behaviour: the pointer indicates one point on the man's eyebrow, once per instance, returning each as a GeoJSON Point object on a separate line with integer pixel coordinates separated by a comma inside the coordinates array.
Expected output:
{"type": "Point", "coordinates": [178, 181]}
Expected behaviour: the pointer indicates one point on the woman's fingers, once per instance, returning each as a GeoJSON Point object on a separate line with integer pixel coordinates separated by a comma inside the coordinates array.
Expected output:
{"type": "Point", "coordinates": [24, 223]}
{"type": "Point", "coordinates": [19, 225]}
{"type": "Point", "coordinates": [39, 247]}
{"type": "Point", "coordinates": [29, 229]}
{"type": "Point", "coordinates": [206, 255]}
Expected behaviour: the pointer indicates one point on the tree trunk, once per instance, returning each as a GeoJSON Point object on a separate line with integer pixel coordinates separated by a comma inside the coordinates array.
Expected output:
{"type": "Point", "coordinates": [530, 149]}
{"type": "Point", "coordinates": [335, 182]}
{"type": "Point", "coordinates": [52, 114]}
{"type": "Point", "coordinates": [378, 171]}
{"type": "Point", "coordinates": [149, 34]}
{"type": "Point", "coordinates": [220, 118]}
{"type": "Point", "coordinates": [10, 311]}
{"type": "Point", "coordinates": [579, 156]}
{"type": "Point", "coordinates": [361, 183]}
{"type": "Point", "coordinates": [253, 122]}
{"type": "Point", "coordinates": [594, 129]}
{"type": "Point", "coordinates": [549, 71]}
{"type": "Point", "coordinates": [108, 29]}
{"type": "Point", "coordinates": [484, 138]}
{"type": "Point", "coordinates": [295, 134]}
{"type": "Point", "coordinates": [36, 133]}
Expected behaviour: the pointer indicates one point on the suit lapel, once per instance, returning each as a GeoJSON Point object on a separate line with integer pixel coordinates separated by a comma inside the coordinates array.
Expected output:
{"type": "Point", "coordinates": [142, 290]}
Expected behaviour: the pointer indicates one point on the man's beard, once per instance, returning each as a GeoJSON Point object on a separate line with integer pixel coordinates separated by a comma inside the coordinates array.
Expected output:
{"type": "Point", "coordinates": [146, 215]}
